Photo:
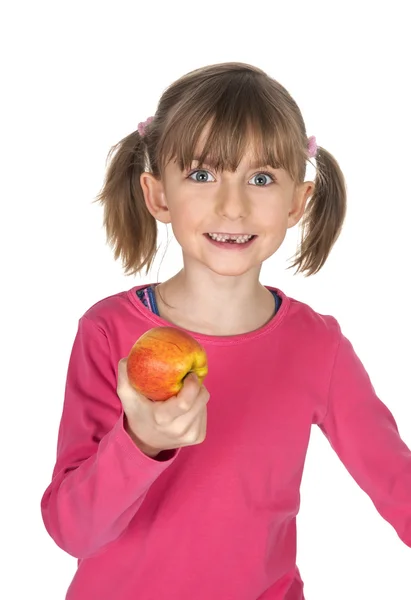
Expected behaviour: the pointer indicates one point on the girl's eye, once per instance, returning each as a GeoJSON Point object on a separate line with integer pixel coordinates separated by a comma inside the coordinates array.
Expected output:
{"type": "Point", "coordinates": [201, 175]}
{"type": "Point", "coordinates": [261, 178]}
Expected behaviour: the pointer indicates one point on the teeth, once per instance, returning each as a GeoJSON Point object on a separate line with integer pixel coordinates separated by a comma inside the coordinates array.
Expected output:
{"type": "Point", "coordinates": [239, 239]}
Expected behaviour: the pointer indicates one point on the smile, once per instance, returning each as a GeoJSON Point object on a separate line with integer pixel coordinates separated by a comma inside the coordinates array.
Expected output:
{"type": "Point", "coordinates": [231, 238]}
{"type": "Point", "coordinates": [230, 241]}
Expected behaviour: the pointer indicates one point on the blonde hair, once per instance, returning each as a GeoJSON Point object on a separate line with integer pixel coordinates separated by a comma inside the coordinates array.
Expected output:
{"type": "Point", "coordinates": [238, 100]}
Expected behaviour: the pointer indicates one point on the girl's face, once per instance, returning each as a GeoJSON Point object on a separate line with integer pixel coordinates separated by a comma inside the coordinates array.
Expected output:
{"type": "Point", "coordinates": [204, 207]}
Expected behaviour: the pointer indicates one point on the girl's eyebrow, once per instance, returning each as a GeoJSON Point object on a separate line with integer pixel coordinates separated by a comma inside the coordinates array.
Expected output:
{"type": "Point", "coordinates": [253, 165]}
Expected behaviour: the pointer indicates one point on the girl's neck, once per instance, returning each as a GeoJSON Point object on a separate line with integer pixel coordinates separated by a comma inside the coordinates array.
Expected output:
{"type": "Point", "coordinates": [215, 305]}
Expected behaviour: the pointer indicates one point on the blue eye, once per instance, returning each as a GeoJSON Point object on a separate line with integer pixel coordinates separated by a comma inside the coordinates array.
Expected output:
{"type": "Point", "coordinates": [199, 171]}
{"type": "Point", "coordinates": [263, 177]}
{"type": "Point", "coordinates": [201, 177]}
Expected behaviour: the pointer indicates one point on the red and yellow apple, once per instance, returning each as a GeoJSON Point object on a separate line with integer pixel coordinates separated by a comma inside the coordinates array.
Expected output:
{"type": "Point", "coordinates": [161, 358]}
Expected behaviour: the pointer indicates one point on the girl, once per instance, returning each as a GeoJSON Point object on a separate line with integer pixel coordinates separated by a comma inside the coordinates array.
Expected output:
{"type": "Point", "coordinates": [197, 497]}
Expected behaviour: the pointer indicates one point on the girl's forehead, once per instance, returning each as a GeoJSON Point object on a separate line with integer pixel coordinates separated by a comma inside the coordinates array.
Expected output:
{"type": "Point", "coordinates": [226, 148]}
{"type": "Point", "coordinates": [249, 158]}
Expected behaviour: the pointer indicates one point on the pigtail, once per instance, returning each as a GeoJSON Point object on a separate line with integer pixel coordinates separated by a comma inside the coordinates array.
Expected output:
{"type": "Point", "coordinates": [324, 215]}
{"type": "Point", "coordinates": [130, 229]}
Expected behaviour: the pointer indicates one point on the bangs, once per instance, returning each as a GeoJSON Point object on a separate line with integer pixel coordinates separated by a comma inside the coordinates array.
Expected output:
{"type": "Point", "coordinates": [229, 121]}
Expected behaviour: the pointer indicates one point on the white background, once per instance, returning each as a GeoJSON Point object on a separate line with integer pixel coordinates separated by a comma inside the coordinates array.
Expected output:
{"type": "Point", "coordinates": [76, 78]}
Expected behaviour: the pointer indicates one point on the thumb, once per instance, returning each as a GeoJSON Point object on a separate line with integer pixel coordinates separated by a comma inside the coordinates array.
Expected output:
{"type": "Point", "coordinates": [192, 379]}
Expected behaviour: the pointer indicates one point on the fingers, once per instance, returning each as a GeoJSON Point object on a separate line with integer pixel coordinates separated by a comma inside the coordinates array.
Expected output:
{"type": "Point", "coordinates": [173, 423]}
{"type": "Point", "coordinates": [191, 398]}
{"type": "Point", "coordinates": [125, 391]}
{"type": "Point", "coordinates": [122, 368]}
{"type": "Point", "coordinates": [189, 401]}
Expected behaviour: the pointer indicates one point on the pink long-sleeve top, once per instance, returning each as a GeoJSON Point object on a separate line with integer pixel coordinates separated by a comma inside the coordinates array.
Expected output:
{"type": "Point", "coordinates": [218, 519]}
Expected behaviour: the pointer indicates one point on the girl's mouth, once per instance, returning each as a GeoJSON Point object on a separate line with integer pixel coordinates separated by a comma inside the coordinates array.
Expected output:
{"type": "Point", "coordinates": [230, 241]}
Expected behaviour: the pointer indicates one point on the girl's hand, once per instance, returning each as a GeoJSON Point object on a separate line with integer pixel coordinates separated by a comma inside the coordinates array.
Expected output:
{"type": "Point", "coordinates": [156, 426]}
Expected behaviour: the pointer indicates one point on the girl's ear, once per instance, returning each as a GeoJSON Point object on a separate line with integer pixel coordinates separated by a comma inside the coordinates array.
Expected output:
{"type": "Point", "coordinates": [301, 195]}
{"type": "Point", "coordinates": [155, 197]}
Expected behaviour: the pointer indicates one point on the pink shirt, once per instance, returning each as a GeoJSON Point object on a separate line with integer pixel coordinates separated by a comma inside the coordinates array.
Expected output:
{"type": "Point", "coordinates": [215, 520]}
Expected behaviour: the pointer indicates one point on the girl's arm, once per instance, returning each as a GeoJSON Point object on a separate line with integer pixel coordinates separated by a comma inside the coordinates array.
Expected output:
{"type": "Point", "coordinates": [101, 477]}
{"type": "Point", "coordinates": [364, 434]}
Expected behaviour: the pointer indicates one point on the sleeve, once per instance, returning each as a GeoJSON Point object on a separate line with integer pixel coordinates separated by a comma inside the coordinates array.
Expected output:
{"type": "Point", "coordinates": [100, 477]}
{"type": "Point", "coordinates": [364, 435]}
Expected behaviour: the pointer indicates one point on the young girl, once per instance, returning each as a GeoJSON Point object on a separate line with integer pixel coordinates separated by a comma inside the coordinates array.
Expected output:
{"type": "Point", "coordinates": [197, 497]}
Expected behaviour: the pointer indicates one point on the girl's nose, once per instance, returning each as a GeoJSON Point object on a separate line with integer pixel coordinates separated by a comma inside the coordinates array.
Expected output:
{"type": "Point", "coordinates": [232, 202]}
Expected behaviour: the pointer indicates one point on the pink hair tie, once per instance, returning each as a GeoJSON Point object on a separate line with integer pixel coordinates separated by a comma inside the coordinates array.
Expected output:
{"type": "Point", "coordinates": [141, 128]}
{"type": "Point", "coordinates": [312, 146]}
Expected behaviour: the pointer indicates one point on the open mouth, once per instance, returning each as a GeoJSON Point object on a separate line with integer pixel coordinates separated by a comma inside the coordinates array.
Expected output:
{"type": "Point", "coordinates": [226, 238]}
{"type": "Point", "coordinates": [231, 241]}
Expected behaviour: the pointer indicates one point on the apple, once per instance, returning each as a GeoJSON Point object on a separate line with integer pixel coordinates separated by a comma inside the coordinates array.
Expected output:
{"type": "Point", "coordinates": [161, 358]}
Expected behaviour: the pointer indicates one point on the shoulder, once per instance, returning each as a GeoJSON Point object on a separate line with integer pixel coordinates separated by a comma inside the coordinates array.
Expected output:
{"type": "Point", "coordinates": [309, 323]}
{"type": "Point", "coordinates": [118, 308]}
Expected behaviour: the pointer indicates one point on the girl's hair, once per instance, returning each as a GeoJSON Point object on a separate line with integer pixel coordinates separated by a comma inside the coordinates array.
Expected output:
{"type": "Point", "coordinates": [242, 104]}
